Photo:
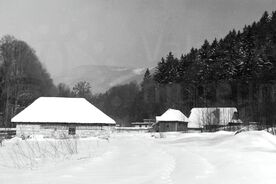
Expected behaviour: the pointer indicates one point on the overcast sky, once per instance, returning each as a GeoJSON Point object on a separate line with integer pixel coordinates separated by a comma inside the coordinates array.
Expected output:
{"type": "Point", "coordinates": [132, 33]}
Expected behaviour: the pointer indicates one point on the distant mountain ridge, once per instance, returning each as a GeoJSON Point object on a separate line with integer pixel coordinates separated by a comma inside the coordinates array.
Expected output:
{"type": "Point", "coordinates": [101, 77]}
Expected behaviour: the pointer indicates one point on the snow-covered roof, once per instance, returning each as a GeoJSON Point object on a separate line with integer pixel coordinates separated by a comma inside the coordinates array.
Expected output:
{"type": "Point", "coordinates": [172, 115]}
{"type": "Point", "coordinates": [211, 115]}
{"type": "Point", "coordinates": [62, 110]}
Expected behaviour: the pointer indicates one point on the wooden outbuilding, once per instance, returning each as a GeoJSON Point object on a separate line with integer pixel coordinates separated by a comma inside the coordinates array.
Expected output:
{"type": "Point", "coordinates": [172, 120]}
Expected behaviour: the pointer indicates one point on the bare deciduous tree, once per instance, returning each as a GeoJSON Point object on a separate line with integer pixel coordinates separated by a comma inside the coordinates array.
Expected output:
{"type": "Point", "coordinates": [82, 89]}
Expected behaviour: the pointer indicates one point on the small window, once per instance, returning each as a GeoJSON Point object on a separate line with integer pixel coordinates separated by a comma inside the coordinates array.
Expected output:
{"type": "Point", "coordinates": [72, 131]}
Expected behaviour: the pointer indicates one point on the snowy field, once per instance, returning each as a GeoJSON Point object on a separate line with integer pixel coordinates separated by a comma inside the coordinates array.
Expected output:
{"type": "Point", "coordinates": [209, 158]}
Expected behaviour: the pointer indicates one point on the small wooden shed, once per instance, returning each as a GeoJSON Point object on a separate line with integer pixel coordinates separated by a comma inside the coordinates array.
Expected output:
{"type": "Point", "coordinates": [59, 117]}
{"type": "Point", "coordinates": [172, 120]}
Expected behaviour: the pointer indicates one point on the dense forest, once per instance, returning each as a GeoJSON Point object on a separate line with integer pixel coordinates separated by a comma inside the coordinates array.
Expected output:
{"type": "Point", "coordinates": [242, 65]}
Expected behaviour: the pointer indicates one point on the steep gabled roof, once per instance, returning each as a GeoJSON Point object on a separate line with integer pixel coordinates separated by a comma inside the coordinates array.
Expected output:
{"type": "Point", "coordinates": [62, 110]}
{"type": "Point", "coordinates": [172, 115]}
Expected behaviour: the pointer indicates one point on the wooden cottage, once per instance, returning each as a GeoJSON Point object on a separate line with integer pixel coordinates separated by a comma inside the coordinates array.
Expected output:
{"type": "Point", "coordinates": [172, 120]}
{"type": "Point", "coordinates": [61, 117]}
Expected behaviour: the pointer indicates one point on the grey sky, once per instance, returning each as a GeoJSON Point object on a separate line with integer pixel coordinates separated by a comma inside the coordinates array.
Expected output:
{"type": "Point", "coordinates": [133, 33]}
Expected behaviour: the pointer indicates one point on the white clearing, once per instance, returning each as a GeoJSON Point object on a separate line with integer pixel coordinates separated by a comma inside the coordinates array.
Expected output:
{"type": "Point", "coordinates": [209, 158]}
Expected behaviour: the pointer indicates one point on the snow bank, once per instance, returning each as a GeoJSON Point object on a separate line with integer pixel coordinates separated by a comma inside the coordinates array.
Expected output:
{"type": "Point", "coordinates": [253, 140]}
{"type": "Point", "coordinates": [38, 151]}
{"type": "Point", "coordinates": [222, 157]}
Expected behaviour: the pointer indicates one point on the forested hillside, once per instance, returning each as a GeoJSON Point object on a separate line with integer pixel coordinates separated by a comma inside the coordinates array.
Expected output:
{"type": "Point", "coordinates": [237, 70]}
{"type": "Point", "coordinates": [248, 55]}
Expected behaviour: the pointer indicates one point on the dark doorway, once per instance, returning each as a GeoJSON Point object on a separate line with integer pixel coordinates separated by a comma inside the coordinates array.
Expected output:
{"type": "Point", "coordinates": [72, 130]}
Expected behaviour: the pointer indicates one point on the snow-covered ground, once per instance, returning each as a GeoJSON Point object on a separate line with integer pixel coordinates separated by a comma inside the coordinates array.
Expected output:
{"type": "Point", "coordinates": [222, 157]}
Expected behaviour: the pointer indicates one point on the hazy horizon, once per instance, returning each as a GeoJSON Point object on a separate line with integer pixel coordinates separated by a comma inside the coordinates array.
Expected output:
{"type": "Point", "coordinates": [136, 33]}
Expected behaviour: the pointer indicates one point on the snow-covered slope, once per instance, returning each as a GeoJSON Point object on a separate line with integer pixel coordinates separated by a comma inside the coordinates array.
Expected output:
{"type": "Point", "coordinates": [102, 77]}
{"type": "Point", "coordinates": [213, 158]}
